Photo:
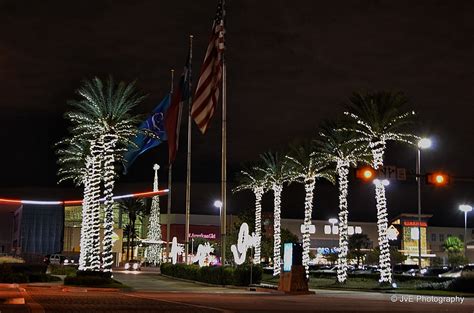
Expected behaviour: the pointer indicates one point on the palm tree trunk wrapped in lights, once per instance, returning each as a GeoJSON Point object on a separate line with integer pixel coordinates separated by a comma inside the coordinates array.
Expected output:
{"type": "Point", "coordinates": [277, 189]}
{"type": "Point", "coordinates": [258, 191]}
{"type": "Point", "coordinates": [95, 189]}
{"type": "Point", "coordinates": [154, 229]}
{"type": "Point", "coordinates": [109, 182]}
{"type": "Point", "coordinates": [378, 149]}
{"type": "Point", "coordinates": [342, 169]}
{"type": "Point", "coordinates": [309, 185]}
{"type": "Point", "coordinates": [84, 256]}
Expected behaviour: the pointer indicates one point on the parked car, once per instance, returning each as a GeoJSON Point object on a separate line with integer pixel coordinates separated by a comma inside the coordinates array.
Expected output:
{"type": "Point", "coordinates": [434, 271]}
{"type": "Point", "coordinates": [366, 270]}
{"type": "Point", "coordinates": [327, 269]}
{"type": "Point", "coordinates": [133, 265]}
{"type": "Point", "coordinates": [56, 259]}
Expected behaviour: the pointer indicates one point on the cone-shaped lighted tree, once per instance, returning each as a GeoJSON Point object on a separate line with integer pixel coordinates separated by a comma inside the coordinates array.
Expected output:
{"type": "Point", "coordinates": [337, 148]}
{"type": "Point", "coordinates": [304, 166]}
{"type": "Point", "coordinates": [254, 179]}
{"type": "Point", "coordinates": [275, 172]}
{"type": "Point", "coordinates": [380, 117]}
{"type": "Point", "coordinates": [102, 117]}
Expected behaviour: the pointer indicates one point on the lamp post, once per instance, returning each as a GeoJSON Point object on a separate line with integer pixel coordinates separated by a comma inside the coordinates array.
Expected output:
{"type": "Point", "coordinates": [218, 204]}
{"type": "Point", "coordinates": [424, 143]}
{"type": "Point", "coordinates": [465, 208]}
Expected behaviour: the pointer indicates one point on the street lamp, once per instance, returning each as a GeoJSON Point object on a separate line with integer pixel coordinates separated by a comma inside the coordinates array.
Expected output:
{"type": "Point", "coordinates": [423, 143]}
{"type": "Point", "coordinates": [218, 204]}
{"type": "Point", "coordinates": [465, 208]}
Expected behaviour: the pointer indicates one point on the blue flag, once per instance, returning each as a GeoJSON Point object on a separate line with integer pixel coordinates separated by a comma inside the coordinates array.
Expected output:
{"type": "Point", "coordinates": [143, 141]}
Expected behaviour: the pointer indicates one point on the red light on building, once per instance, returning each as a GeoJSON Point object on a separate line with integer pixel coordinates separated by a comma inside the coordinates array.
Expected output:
{"type": "Point", "coordinates": [437, 179]}
{"type": "Point", "coordinates": [414, 224]}
{"type": "Point", "coordinates": [366, 173]}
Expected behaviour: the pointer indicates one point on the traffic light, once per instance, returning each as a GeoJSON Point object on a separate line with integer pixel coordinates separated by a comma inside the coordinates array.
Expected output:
{"type": "Point", "coordinates": [437, 179]}
{"type": "Point", "coordinates": [366, 173]}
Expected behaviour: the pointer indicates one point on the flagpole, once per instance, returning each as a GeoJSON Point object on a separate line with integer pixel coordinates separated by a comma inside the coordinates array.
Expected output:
{"type": "Point", "coordinates": [224, 164]}
{"type": "Point", "coordinates": [188, 168]}
{"type": "Point", "coordinates": [170, 184]}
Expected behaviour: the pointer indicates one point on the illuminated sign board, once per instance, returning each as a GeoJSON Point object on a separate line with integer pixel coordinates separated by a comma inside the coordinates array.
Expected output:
{"type": "Point", "coordinates": [287, 257]}
{"type": "Point", "coordinates": [201, 235]}
{"type": "Point", "coordinates": [414, 224]}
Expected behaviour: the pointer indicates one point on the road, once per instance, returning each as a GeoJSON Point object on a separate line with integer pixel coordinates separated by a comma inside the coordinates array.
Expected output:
{"type": "Point", "coordinates": [154, 293]}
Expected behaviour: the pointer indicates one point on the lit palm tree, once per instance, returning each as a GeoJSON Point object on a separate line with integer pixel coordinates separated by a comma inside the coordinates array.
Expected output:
{"type": "Point", "coordinates": [254, 180]}
{"type": "Point", "coordinates": [75, 165]}
{"type": "Point", "coordinates": [337, 148]}
{"type": "Point", "coordinates": [378, 118]}
{"type": "Point", "coordinates": [305, 166]}
{"type": "Point", "coordinates": [275, 173]}
{"type": "Point", "coordinates": [102, 117]}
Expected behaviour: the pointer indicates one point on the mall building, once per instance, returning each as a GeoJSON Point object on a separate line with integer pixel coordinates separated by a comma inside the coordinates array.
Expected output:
{"type": "Point", "coordinates": [33, 231]}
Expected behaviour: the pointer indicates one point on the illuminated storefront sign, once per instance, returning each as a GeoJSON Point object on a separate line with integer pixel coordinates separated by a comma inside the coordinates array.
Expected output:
{"type": "Point", "coordinates": [201, 235]}
{"type": "Point", "coordinates": [414, 224]}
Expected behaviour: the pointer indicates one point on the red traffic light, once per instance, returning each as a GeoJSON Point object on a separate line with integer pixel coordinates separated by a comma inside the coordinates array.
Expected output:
{"type": "Point", "coordinates": [437, 179]}
{"type": "Point", "coordinates": [366, 173]}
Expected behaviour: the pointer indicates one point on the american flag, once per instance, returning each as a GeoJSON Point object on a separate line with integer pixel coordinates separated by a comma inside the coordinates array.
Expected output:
{"type": "Point", "coordinates": [210, 78]}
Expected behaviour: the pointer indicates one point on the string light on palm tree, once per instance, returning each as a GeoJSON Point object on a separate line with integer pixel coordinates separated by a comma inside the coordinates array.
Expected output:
{"type": "Point", "coordinates": [275, 175]}
{"type": "Point", "coordinates": [252, 179]}
{"type": "Point", "coordinates": [304, 167]}
{"type": "Point", "coordinates": [377, 119]}
{"type": "Point", "coordinates": [341, 152]}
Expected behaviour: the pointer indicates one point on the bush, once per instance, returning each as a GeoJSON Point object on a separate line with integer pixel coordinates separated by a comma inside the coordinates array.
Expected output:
{"type": "Point", "coordinates": [462, 284]}
{"type": "Point", "coordinates": [82, 280]}
{"type": "Point", "coordinates": [42, 278]}
{"type": "Point", "coordinates": [218, 275]}
{"type": "Point", "coordinates": [8, 277]}
{"type": "Point", "coordinates": [57, 269]}
{"type": "Point", "coordinates": [100, 274]}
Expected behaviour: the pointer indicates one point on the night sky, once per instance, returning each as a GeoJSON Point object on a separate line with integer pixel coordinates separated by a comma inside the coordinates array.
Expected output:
{"type": "Point", "coordinates": [290, 65]}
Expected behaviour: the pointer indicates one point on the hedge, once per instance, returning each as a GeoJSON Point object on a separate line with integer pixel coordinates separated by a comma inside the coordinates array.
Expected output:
{"type": "Point", "coordinates": [217, 275]}
{"type": "Point", "coordinates": [24, 273]}
{"type": "Point", "coordinates": [88, 281]}
{"type": "Point", "coordinates": [376, 276]}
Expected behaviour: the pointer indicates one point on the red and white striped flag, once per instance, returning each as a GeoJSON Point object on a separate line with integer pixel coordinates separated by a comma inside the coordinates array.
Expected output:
{"type": "Point", "coordinates": [210, 78]}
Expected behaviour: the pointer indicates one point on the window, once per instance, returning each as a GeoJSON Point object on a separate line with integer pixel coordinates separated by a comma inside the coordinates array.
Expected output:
{"type": "Point", "coordinates": [327, 229]}
{"type": "Point", "coordinates": [433, 237]}
{"type": "Point", "coordinates": [461, 237]}
{"type": "Point", "coordinates": [350, 230]}
{"type": "Point", "coordinates": [441, 237]}
{"type": "Point", "coordinates": [358, 230]}
{"type": "Point", "coordinates": [449, 235]}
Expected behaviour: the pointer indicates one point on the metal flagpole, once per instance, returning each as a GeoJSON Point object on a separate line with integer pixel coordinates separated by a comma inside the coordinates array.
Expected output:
{"type": "Point", "coordinates": [170, 184]}
{"type": "Point", "coordinates": [224, 166]}
{"type": "Point", "coordinates": [188, 169]}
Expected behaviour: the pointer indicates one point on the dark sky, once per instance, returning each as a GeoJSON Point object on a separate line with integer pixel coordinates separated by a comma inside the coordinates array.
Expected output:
{"type": "Point", "coordinates": [290, 65]}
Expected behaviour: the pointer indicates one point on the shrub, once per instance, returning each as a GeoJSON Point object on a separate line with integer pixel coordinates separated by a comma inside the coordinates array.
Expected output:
{"type": "Point", "coordinates": [82, 280]}
{"type": "Point", "coordinates": [218, 275]}
{"type": "Point", "coordinates": [9, 277]}
{"type": "Point", "coordinates": [100, 274]}
{"type": "Point", "coordinates": [462, 284]}
{"type": "Point", "coordinates": [10, 259]}
{"type": "Point", "coordinates": [56, 269]}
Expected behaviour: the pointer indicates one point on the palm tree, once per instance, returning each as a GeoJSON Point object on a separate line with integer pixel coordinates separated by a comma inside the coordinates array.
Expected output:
{"type": "Point", "coordinates": [337, 148]}
{"type": "Point", "coordinates": [134, 208]}
{"type": "Point", "coordinates": [253, 179]}
{"type": "Point", "coordinates": [102, 117]}
{"type": "Point", "coordinates": [304, 167]}
{"type": "Point", "coordinates": [275, 173]}
{"type": "Point", "coordinates": [379, 117]}
{"type": "Point", "coordinates": [75, 165]}
{"type": "Point", "coordinates": [128, 233]}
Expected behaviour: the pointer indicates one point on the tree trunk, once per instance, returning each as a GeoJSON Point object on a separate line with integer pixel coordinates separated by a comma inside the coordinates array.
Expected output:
{"type": "Point", "coordinates": [109, 182]}
{"type": "Point", "coordinates": [277, 189]}
{"type": "Point", "coordinates": [309, 184]}
{"type": "Point", "coordinates": [258, 191]}
{"type": "Point", "coordinates": [342, 173]}
{"type": "Point", "coordinates": [378, 149]}
{"type": "Point", "coordinates": [95, 189]}
{"type": "Point", "coordinates": [84, 257]}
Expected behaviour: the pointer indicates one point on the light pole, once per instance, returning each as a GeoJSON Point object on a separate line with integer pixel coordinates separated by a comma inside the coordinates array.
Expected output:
{"type": "Point", "coordinates": [218, 204]}
{"type": "Point", "coordinates": [465, 208]}
{"type": "Point", "coordinates": [424, 143]}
